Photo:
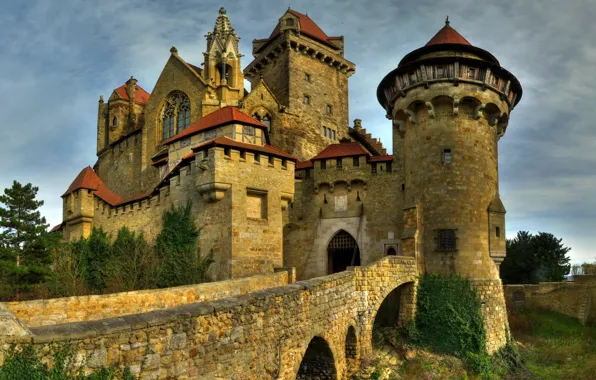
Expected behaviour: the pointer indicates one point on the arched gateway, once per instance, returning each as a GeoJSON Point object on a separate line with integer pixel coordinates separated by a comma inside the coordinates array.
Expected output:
{"type": "Point", "coordinates": [342, 252]}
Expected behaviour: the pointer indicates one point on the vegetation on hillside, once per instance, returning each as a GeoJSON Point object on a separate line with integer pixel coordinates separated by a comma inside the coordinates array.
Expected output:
{"type": "Point", "coordinates": [534, 258]}
{"type": "Point", "coordinates": [34, 263]}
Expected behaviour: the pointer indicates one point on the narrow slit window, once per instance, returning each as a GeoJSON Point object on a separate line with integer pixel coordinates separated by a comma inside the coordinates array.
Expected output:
{"type": "Point", "coordinates": [373, 168]}
{"type": "Point", "coordinates": [338, 163]}
{"type": "Point", "coordinates": [447, 159]}
{"type": "Point", "coordinates": [498, 232]}
{"type": "Point", "coordinates": [307, 77]}
{"type": "Point", "coordinates": [306, 99]}
{"type": "Point", "coordinates": [329, 109]}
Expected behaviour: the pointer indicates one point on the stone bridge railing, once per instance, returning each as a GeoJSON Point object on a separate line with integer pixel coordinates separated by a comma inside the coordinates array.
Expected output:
{"type": "Point", "coordinates": [260, 335]}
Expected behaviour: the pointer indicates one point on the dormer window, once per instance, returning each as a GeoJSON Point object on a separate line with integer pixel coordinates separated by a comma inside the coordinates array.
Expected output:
{"type": "Point", "coordinates": [290, 22]}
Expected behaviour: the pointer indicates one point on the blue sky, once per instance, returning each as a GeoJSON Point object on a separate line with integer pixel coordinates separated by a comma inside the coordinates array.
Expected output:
{"type": "Point", "coordinates": [59, 56]}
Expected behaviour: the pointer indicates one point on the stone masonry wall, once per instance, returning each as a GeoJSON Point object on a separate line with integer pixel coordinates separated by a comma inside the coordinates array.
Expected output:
{"type": "Point", "coordinates": [88, 308]}
{"type": "Point", "coordinates": [261, 335]}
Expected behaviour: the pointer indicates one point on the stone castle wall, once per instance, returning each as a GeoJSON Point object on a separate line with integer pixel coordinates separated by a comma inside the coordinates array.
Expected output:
{"type": "Point", "coordinates": [261, 335]}
{"type": "Point", "coordinates": [574, 299]}
{"type": "Point", "coordinates": [89, 308]}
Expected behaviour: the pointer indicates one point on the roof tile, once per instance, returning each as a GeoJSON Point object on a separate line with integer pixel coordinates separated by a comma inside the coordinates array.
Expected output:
{"type": "Point", "coordinates": [88, 179]}
{"type": "Point", "coordinates": [141, 96]}
{"type": "Point", "coordinates": [341, 150]}
{"type": "Point", "coordinates": [447, 35]}
{"type": "Point", "coordinates": [222, 116]}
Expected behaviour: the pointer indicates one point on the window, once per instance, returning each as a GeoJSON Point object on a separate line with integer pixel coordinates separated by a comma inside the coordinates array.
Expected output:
{"type": "Point", "coordinates": [266, 120]}
{"type": "Point", "coordinates": [391, 251]}
{"type": "Point", "coordinates": [307, 174]}
{"type": "Point", "coordinates": [307, 77]}
{"type": "Point", "coordinates": [338, 163]}
{"type": "Point", "coordinates": [323, 164]}
{"type": "Point", "coordinates": [256, 204]}
{"type": "Point", "coordinates": [403, 186]}
{"type": "Point", "coordinates": [440, 72]}
{"type": "Point", "coordinates": [329, 109]}
{"type": "Point", "coordinates": [373, 168]}
{"type": "Point", "coordinates": [498, 232]}
{"type": "Point", "coordinates": [446, 240]}
{"type": "Point", "coordinates": [356, 161]}
{"type": "Point", "coordinates": [389, 168]}
{"type": "Point", "coordinates": [248, 130]}
{"type": "Point", "coordinates": [333, 134]}
{"type": "Point", "coordinates": [114, 122]}
{"type": "Point", "coordinates": [412, 78]}
{"type": "Point", "coordinates": [183, 115]}
{"type": "Point", "coordinates": [324, 131]}
{"type": "Point", "coordinates": [472, 73]}
{"type": "Point", "coordinates": [447, 156]}
{"type": "Point", "coordinates": [306, 99]}
{"type": "Point", "coordinates": [175, 115]}
{"type": "Point", "coordinates": [290, 22]}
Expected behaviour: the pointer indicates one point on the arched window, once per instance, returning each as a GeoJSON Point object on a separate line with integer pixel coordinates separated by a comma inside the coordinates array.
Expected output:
{"type": "Point", "coordinates": [264, 117]}
{"type": "Point", "coordinates": [266, 120]}
{"type": "Point", "coordinates": [175, 115]}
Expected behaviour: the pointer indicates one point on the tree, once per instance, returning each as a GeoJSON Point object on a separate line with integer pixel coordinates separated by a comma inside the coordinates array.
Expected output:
{"type": "Point", "coordinates": [177, 249]}
{"type": "Point", "coordinates": [534, 258]}
{"type": "Point", "coordinates": [133, 262]}
{"type": "Point", "coordinates": [96, 253]}
{"type": "Point", "coordinates": [24, 240]}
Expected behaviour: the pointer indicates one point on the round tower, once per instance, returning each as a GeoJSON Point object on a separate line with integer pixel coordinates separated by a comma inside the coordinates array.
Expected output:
{"type": "Point", "coordinates": [450, 104]}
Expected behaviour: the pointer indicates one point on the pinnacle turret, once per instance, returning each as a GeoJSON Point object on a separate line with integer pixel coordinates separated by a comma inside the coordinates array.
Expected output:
{"type": "Point", "coordinates": [222, 31]}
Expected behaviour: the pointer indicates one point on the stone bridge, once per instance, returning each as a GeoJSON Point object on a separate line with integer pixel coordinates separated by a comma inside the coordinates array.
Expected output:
{"type": "Point", "coordinates": [319, 327]}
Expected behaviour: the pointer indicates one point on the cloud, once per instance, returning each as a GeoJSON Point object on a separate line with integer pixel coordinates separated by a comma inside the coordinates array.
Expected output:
{"type": "Point", "coordinates": [60, 59]}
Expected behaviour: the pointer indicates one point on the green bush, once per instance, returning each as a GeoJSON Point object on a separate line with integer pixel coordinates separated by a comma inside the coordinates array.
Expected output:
{"type": "Point", "coordinates": [25, 362]}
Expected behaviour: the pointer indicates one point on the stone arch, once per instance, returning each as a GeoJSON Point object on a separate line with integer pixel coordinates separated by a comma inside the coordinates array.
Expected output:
{"type": "Point", "coordinates": [342, 251]}
{"type": "Point", "coordinates": [318, 361]}
{"type": "Point", "coordinates": [351, 351]}
{"type": "Point", "coordinates": [263, 114]}
{"type": "Point", "coordinates": [469, 107]}
{"type": "Point", "coordinates": [492, 113]}
{"type": "Point", "coordinates": [393, 310]}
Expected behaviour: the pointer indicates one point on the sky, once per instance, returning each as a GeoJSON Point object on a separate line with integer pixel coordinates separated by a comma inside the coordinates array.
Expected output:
{"type": "Point", "coordinates": [57, 57]}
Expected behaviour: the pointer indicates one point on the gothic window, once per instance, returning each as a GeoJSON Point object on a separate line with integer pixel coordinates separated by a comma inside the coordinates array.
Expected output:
{"type": "Point", "coordinates": [175, 115]}
{"type": "Point", "coordinates": [266, 120]}
{"type": "Point", "coordinates": [446, 240]}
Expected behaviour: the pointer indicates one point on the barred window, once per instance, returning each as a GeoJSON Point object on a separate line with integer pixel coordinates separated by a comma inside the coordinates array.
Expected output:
{"type": "Point", "coordinates": [446, 240]}
{"type": "Point", "coordinates": [447, 156]}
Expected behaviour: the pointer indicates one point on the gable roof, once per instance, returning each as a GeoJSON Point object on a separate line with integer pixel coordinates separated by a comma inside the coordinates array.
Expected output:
{"type": "Point", "coordinates": [447, 35]}
{"type": "Point", "coordinates": [88, 179]}
{"type": "Point", "coordinates": [141, 96]}
{"type": "Point", "coordinates": [222, 116]}
{"type": "Point", "coordinates": [341, 150]}
{"type": "Point", "coordinates": [307, 27]}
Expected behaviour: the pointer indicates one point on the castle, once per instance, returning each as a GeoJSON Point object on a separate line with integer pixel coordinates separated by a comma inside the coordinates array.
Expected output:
{"type": "Point", "coordinates": [277, 177]}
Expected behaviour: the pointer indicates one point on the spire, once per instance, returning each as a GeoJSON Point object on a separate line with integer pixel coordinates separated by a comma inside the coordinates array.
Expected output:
{"type": "Point", "coordinates": [222, 31]}
{"type": "Point", "coordinates": [448, 35]}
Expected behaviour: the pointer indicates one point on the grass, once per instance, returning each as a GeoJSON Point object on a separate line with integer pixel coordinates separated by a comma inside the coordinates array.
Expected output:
{"type": "Point", "coordinates": [554, 346]}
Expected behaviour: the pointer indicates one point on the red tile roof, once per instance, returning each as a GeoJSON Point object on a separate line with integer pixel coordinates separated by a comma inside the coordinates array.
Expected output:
{"type": "Point", "coordinates": [447, 35]}
{"type": "Point", "coordinates": [226, 141]}
{"type": "Point", "coordinates": [383, 158]}
{"type": "Point", "coordinates": [308, 27]}
{"type": "Point", "coordinates": [57, 228]}
{"type": "Point", "coordinates": [222, 116]}
{"type": "Point", "coordinates": [141, 96]}
{"type": "Point", "coordinates": [88, 179]}
{"type": "Point", "coordinates": [304, 165]}
{"type": "Point", "coordinates": [341, 150]}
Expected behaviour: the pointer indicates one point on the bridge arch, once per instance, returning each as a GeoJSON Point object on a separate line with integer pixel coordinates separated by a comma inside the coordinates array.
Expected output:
{"type": "Point", "coordinates": [352, 352]}
{"type": "Point", "coordinates": [394, 309]}
{"type": "Point", "coordinates": [318, 361]}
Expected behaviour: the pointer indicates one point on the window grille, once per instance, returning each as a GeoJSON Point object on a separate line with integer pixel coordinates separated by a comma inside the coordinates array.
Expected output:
{"type": "Point", "coordinates": [342, 240]}
{"type": "Point", "coordinates": [446, 240]}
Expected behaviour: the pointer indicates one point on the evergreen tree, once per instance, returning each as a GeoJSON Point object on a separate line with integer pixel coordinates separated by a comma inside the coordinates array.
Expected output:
{"type": "Point", "coordinates": [24, 240]}
{"type": "Point", "coordinates": [534, 258]}
{"type": "Point", "coordinates": [96, 252]}
{"type": "Point", "coordinates": [177, 250]}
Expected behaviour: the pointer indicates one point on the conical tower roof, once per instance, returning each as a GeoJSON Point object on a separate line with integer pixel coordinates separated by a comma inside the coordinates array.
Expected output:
{"type": "Point", "coordinates": [447, 35]}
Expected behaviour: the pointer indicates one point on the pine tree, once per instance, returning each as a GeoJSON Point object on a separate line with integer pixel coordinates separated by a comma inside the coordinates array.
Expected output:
{"type": "Point", "coordinates": [24, 240]}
